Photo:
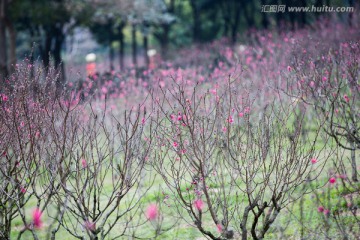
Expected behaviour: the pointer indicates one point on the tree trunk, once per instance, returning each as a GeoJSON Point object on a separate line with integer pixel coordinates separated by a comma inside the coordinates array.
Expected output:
{"type": "Point", "coordinates": [59, 65]}
{"type": "Point", "coordinates": [133, 45]}
{"type": "Point", "coordinates": [165, 41]}
{"type": "Point", "coordinates": [224, 6]}
{"type": "Point", "coordinates": [353, 163]}
{"type": "Point", "coordinates": [265, 20]}
{"type": "Point", "coordinates": [166, 29]}
{"type": "Point", "coordinates": [350, 16]}
{"type": "Point", "coordinates": [121, 48]}
{"type": "Point", "coordinates": [45, 51]}
{"type": "Point", "coordinates": [3, 53]}
{"type": "Point", "coordinates": [235, 25]}
{"type": "Point", "coordinates": [146, 48]}
{"type": "Point", "coordinates": [12, 45]}
{"type": "Point", "coordinates": [303, 14]}
{"type": "Point", "coordinates": [196, 21]}
{"type": "Point", "coordinates": [111, 56]}
{"type": "Point", "coordinates": [248, 12]}
{"type": "Point", "coordinates": [318, 3]}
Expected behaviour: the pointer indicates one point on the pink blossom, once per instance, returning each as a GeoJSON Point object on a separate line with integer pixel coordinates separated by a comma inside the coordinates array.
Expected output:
{"type": "Point", "coordinates": [312, 84]}
{"type": "Point", "coordinates": [346, 98]}
{"type": "Point", "coordinates": [230, 119]}
{"type": "Point", "coordinates": [152, 212]}
{"type": "Point", "coordinates": [104, 90]}
{"type": "Point", "coordinates": [22, 189]}
{"type": "Point", "coordinates": [198, 204]}
{"type": "Point", "coordinates": [241, 114]}
{"type": "Point", "coordinates": [90, 225]}
{"type": "Point", "coordinates": [313, 160]}
{"type": "Point", "coordinates": [36, 217]}
{"type": "Point", "coordinates": [219, 227]}
{"type": "Point", "coordinates": [320, 209]}
{"type": "Point", "coordinates": [175, 144]}
{"type": "Point", "coordinates": [327, 212]}
{"type": "Point", "coordinates": [289, 68]}
{"type": "Point", "coordinates": [83, 162]}
{"type": "Point", "coordinates": [324, 79]}
{"type": "Point", "coordinates": [4, 97]}
{"type": "Point", "coordinates": [342, 176]}
{"type": "Point", "coordinates": [332, 180]}
{"type": "Point", "coordinates": [143, 121]}
{"type": "Point", "coordinates": [179, 117]}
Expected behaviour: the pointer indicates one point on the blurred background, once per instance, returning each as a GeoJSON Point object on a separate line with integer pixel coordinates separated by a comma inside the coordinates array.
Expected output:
{"type": "Point", "coordinates": [121, 34]}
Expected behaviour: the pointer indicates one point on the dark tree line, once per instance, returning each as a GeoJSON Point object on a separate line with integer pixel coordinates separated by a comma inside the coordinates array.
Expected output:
{"type": "Point", "coordinates": [171, 23]}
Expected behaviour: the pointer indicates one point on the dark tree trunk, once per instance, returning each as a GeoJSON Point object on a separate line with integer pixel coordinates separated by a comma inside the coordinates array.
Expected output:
{"type": "Point", "coordinates": [111, 56]}
{"type": "Point", "coordinates": [224, 6]}
{"type": "Point", "coordinates": [279, 16]}
{"type": "Point", "coordinates": [318, 3]}
{"type": "Point", "coordinates": [121, 47]}
{"type": "Point", "coordinates": [350, 16]}
{"type": "Point", "coordinates": [133, 45]}
{"type": "Point", "coordinates": [265, 20]}
{"type": "Point", "coordinates": [46, 50]}
{"type": "Point", "coordinates": [353, 163]}
{"type": "Point", "coordinates": [303, 14]}
{"type": "Point", "coordinates": [165, 41]}
{"type": "Point", "coordinates": [292, 20]}
{"type": "Point", "coordinates": [196, 21]}
{"type": "Point", "coordinates": [291, 15]}
{"type": "Point", "coordinates": [248, 12]}
{"type": "Point", "coordinates": [3, 53]}
{"type": "Point", "coordinates": [235, 25]}
{"type": "Point", "coordinates": [9, 26]}
{"type": "Point", "coordinates": [166, 28]}
{"type": "Point", "coordinates": [12, 46]}
{"type": "Point", "coordinates": [146, 48]}
{"type": "Point", "coordinates": [59, 65]}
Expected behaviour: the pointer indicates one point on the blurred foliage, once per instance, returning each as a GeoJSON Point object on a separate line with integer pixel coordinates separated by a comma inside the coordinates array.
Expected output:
{"type": "Point", "coordinates": [172, 23]}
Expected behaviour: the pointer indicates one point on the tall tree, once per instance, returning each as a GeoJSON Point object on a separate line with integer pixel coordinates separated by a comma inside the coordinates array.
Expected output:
{"type": "Point", "coordinates": [103, 31]}
{"type": "Point", "coordinates": [3, 52]}
{"type": "Point", "coordinates": [196, 9]}
{"type": "Point", "coordinates": [231, 10]}
{"type": "Point", "coordinates": [107, 25]}
{"type": "Point", "coordinates": [50, 21]}
{"type": "Point", "coordinates": [7, 58]}
{"type": "Point", "coordinates": [146, 14]}
{"type": "Point", "coordinates": [162, 30]}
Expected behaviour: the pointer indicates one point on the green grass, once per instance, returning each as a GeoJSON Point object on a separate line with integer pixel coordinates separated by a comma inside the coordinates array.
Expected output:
{"type": "Point", "coordinates": [287, 225]}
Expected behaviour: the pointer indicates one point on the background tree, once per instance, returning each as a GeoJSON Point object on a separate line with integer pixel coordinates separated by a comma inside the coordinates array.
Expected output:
{"type": "Point", "coordinates": [7, 59]}
{"type": "Point", "coordinates": [49, 22]}
{"type": "Point", "coordinates": [108, 23]}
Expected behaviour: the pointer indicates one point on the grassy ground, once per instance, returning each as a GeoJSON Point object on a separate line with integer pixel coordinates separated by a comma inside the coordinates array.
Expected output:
{"type": "Point", "coordinates": [290, 224]}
